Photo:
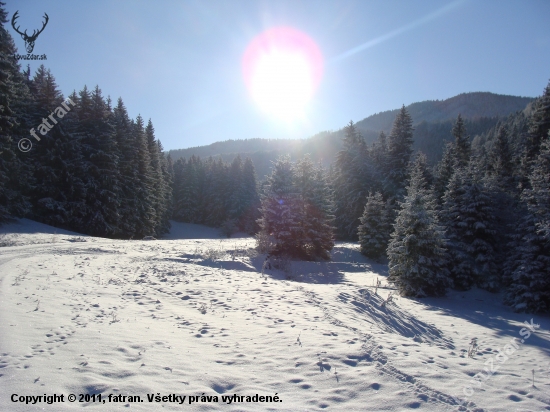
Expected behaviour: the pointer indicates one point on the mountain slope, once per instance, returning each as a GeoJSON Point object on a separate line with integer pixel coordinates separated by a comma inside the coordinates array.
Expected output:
{"type": "Point", "coordinates": [470, 105]}
{"type": "Point", "coordinates": [432, 119]}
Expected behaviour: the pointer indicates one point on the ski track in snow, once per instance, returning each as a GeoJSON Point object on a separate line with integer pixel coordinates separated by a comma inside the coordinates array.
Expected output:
{"type": "Point", "coordinates": [192, 316]}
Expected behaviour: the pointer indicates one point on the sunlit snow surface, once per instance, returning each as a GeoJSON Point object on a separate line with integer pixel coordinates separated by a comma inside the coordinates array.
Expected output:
{"type": "Point", "coordinates": [194, 314]}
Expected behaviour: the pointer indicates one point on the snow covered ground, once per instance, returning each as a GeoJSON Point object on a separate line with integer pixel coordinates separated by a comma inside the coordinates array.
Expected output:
{"type": "Point", "coordinates": [193, 315]}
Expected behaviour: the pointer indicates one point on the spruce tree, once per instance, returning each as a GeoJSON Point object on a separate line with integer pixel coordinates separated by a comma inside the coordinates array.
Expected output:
{"type": "Point", "coordinates": [59, 195]}
{"type": "Point", "coordinates": [15, 167]}
{"type": "Point", "coordinates": [144, 188]}
{"type": "Point", "coordinates": [501, 161]}
{"type": "Point", "coordinates": [128, 219]}
{"type": "Point", "coordinates": [157, 177]}
{"type": "Point", "coordinates": [313, 200]}
{"type": "Point", "coordinates": [417, 254]}
{"type": "Point", "coordinates": [375, 228]}
{"type": "Point", "coordinates": [469, 217]}
{"type": "Point", "coordinates": [539, 124]}
{"type": "Point", "coordinates": [461, 143]}
{"type": "Point", "coordinates": [399, 154]}
{"type": "Point", "coordinates": [167, 178]}
{"type": "Point", "coordinates": [444, 170]}
{"type": "Point", "coordinates": [380, 151]}
{"type": "Point", "coordinates": [350, 182]}
{"type": "Point", "coordinates": [280, 227]}
{"type": "Point", "coordinates": [529, 282]}
{"type": "Point", "coordinates": [96, 133]}
{"type": "Point", "coordinates": [296, 212]}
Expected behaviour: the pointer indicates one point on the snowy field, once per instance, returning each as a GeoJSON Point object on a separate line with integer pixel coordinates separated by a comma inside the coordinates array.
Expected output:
{"type": "Point", "coordinates": [193, 315]}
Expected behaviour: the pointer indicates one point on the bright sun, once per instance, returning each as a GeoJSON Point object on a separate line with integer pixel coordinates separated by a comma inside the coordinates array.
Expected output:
{"type": "Point", "coordinates": [282, 68]}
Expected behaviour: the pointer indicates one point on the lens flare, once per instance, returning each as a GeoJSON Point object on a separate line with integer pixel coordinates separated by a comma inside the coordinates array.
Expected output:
{"type": "Point", "coordinates": [282, 67]}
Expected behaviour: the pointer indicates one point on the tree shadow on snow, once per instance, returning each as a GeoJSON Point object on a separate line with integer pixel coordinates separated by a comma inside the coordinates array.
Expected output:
{"type": "Point", "coordinates": [392, 318]}
{"type": "Point", "coordinates": [486, 309]}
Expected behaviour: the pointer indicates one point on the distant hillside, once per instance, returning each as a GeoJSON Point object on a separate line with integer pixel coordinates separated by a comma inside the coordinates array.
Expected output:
{"type": "Point", "coordinates": [471, 106]}
{"type": "Point", "coordinates": [433, 121]}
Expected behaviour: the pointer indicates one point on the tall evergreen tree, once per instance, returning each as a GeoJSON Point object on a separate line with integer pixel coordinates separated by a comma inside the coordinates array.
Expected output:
{"type": "Point", "coordinates": [280, 219]}
{"type": "Point", "coordinates": [96, 133]}
{"type": "Point", "coordinates": [444, 170]}
{"type": "Point", "coordinates": [13, 94]}
{"type": "Point", "coordinates": [380, 151]}
{"type": "Point", "coordinates": [529, 282]}
{"type": "Point", "coordinates": [157, 177]}
{"type": "Point", "coordinates": [539, 124]}
{"type": "Point", "coordinates": [127, 152]}
{"type": "Point", "coordinates": [461, 143]}
{"type": "Point", "coordinates": [501, 161]}
{"type": "Point", "coordinates": [417, 254]}
{"type": "Point", "coordinates": [350, 182]}
{"type": "Point", "coordinates": [313, 199]}
{"type": "Point", "coordinates": [144, 188]}
{"type": "Point", "coordinates": [59, 194]}
{"type": "Point", "coordinates": [399, 154]}
{"type": "Point", "coordinates": [167, 178]}
{"type": "Point", "coordinates": [469, 216]}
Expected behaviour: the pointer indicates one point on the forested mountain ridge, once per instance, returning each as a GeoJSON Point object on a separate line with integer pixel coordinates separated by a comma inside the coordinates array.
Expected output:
{"type": "Point", "coordinates": [470, 106]}
{"type": "Point", "coordinates": [432, 120]}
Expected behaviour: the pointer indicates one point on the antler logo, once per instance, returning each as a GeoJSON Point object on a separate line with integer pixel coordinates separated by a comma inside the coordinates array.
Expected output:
{"type": "Point", "coordinates": [29, 40]}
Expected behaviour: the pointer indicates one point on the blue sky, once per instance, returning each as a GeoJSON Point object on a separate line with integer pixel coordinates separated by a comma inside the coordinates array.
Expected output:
{"type": "Point", "coordinates": [179, 62]}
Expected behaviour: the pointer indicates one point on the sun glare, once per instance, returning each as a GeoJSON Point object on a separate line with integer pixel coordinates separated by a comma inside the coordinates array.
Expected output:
{"type": "Point", "coordinates": [282, 68]}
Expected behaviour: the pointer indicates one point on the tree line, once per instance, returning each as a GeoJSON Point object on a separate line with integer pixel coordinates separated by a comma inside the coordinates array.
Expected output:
{"type": "Point", "coordinates": [94, 170]}
{"type": "Point", "coordinates": [480, 217]}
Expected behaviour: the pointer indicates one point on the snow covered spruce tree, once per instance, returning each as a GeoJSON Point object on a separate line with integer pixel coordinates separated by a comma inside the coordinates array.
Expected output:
{"type": "Point", "coordinates": [15, 169]}
{"type": "Point", "coordinates": [128, 173]}
{"type": "Point", "coordinates": [539, 124]}
{"type": "Point", "coordinates": [96, 134]}
{"type": "Point", "coordinates": [375, 228]}
{"type": "Point", "coordinates": [279, 224]}
{"type": "Point", "coordinates": [456, 154]}
{"type": "Point", "coordinates": [350, 182]}
{"type": "Point", "coordinates": [314, 202]}
{"type": "Point", "coordinates": [469, 218]}
{"type": "Point", "coordinates": [399, 154]}
{"type": "Point", "coordinates": [529, 282]}
{"type": "Point", "coordinates": [167, 172]}
{"type": "Point", "coordinates": [60, 175]}
{"type": "Point", "coordinates": [417, 254]}
{"type": "Point", "coordinates": [295, 212]}
{"type": "Point", "coordinates": [145, 212]}
{"type": "Point", "coordinates": [462, 143]}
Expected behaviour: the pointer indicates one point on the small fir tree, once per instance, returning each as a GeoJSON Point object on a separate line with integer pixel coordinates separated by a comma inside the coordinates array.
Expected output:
{"type": "Point", "coordinates": [374, 230]}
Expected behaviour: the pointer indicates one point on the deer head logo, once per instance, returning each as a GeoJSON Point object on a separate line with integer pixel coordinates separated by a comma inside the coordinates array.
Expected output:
{"type": "Point", "coordinates": [29, 40]}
